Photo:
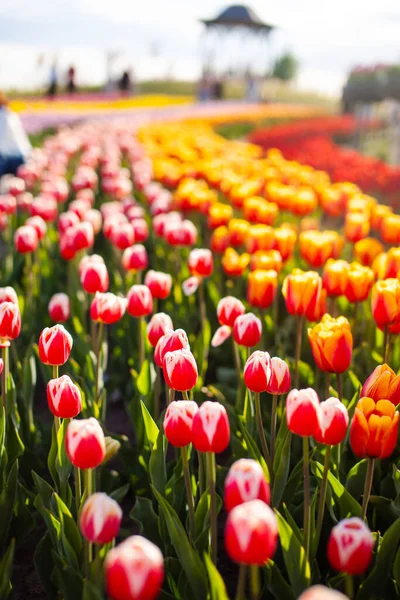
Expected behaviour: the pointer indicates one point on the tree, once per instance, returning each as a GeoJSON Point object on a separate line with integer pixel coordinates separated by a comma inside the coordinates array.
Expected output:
{"type": "Point", "coordinates": [285, 67]}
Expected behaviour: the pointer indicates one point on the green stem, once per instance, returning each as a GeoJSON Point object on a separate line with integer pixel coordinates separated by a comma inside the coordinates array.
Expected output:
{"type": "Point", "coordinates": [88, 554]}
{"type": "Point", "coordinates": [349, 587]}
{"type": "Point", "coordinates": [202, 303]}
{"type": "Point", "coordinates": [339, 378]}
{"type": "Point", "coordinates": [171, 395]}
{"type": "Point", "coordinates": [236, 356]}
{"type": "Point", "coordinates": [367, 487]}
{"type": "Point", "coordinates": [157, 391]}
{"type": "Point", "coordinates": [299, 334]}
{"type": "Point", "coordinates": [322, 496]}
{"type": "Point", "coordinates": [385, 343]}
{"type": "Point", "coordinates": [241, 584]}
{"type": "Point", "coordinates": [261, 434]}
{"type": "Point", "coordinates": [254, 582]}
{"type": "Point", "coordinates": [55, 371]}
{"type": "Point", "coordinates": [327, 384]}
{"type": "Point", "coordinates": [273, 426]}
{"type": "Point", "coordinates": [185, 395]}
{"type": "Point", "coordinates": [4, 377]}
{"type": "Point", "coordinates": [213, 504]}
{"type": "Point", "coordinates": [189, 493]}
{"type": "Point", "coordinates": [141, 344]}
{"type": "Point", "coordinates": [202, 486]}
{"type": "Point", "coordinates": [98, 357]}
{"type": "Point", "coordinates": [78, 490]}
{"type": "Point", "coordinates": [307, 507]}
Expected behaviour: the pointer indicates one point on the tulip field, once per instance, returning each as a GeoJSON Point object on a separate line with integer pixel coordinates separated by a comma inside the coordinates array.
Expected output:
{"type": "Point", "coordinates": [199, 388]}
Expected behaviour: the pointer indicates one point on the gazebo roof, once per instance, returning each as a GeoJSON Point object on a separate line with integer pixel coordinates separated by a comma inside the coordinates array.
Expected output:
{"type": "Point", "coordinates": [238, 15]}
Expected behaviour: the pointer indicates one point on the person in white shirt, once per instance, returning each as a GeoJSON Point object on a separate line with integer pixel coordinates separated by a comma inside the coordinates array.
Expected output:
{"type": "Point", "coordinates": [14, 143]}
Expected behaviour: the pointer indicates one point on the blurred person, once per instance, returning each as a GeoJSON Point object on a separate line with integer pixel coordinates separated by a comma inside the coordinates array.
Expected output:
{"type": "Point", "coordinates": [71, 86]}
{"type": "Point", "coordinates": [14, 144]}
{"type": "Point", "coordinates": [125, 83]}
{"type": "Point", "coordinates": [53, 85]}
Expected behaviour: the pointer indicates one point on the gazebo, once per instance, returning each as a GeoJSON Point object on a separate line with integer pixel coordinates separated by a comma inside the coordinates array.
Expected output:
{"type": "Point", "coordinates": [236, 41]}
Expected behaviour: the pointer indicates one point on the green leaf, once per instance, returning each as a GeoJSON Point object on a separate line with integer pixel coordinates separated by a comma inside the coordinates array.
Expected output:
{"type": "Point", "coordinates": [202, 521]}
{"type": "Point", "coordinates": [378, 578]}
{"type": "Point", "coordinates": [348, 506]}
{"type": "Point", "coordinates": [6, 565]}
{"type": "Point", "coordinates": [7, 501]}
{"type": "Point", "coordinates": [143, 514]}
{"type": "Point", "coordinates": [252, 448]}
{"type": "Point", "coordinates": [152, 430]}
{"type": "Point", "coordinates": [91, 591]}
{"type": "Point", "coordinates": [146, 378]}
{"type": "Point", "coordinates": [217, 585]}
{"type": "Point", "coordinates": [356, 477]}
{"type": "Point", "coordinates": [281, 464]}
{"type": "Point", "coordinates": [44, 565]}
{"type": "Point", "coordinates": [69, 581]}
{"type": "Point", "coordinates": [277, 585]}
{"type": "Point", "coordinates": [119, 494]}
{"type": "Point", "coordinates": [297, 565]}
{"type": "Point", "coordinates": [200, 351]}
{"type": "Point", "coordinates": [190, 560]}
{"type": "Point", "coordinates": [157, 467]}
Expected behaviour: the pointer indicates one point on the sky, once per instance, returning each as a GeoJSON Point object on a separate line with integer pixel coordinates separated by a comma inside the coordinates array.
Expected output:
{"type": "Point", "coordinates": [160, 37]}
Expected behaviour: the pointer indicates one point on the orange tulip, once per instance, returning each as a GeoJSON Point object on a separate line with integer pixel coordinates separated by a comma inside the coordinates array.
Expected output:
{"type": "Point", "coordinates": [241, 191]}
{"type": "Point", "coordinates": [392, 263]}
{"type": "Point", "coordinates": [390, 229]}
{"type": "Point", "coordinates": [260, 237]}
{"type": "Point", "coordinates": [379, 266]}
{"type": "Point", "coordinates": [335, 277]}
{"type": "Point", "coordinates": [331, 344]}
{"type": "Point", "coordinates": [356, 226]}
{"type": "Point", "coordinates": [333, 201]}
{"type": "Point", "coordinates": [359, 283]}
{"type": "Point", "coordinates": [385, 302]}
{"type": "Point", "coordinates": [235, 264]}
{"type": "Point", "coordinates": [261, 288]}
{"type": "Point", "coordinates": [301, 290]}
{"type": "Point", "coordinates": [238, 231]}
{"type": "Point", "coordinates": [250, 208]}
{"type": "Point", "coordinates": [281, 194]}
{"type": "Point", "coordinates": [374, 428]}
{"type": "Point", "coordinates": [367, 250]}
{"type": "Point", "coordinates": [266, 260]}
{"type": "Point", "coordinates": [316, 247]}
{"type": "Point", "coordinates": [304, 202]}
{"type": "Point", "coordinates": [219, 214]}
{"type": "Point", "coordinates": [317, 311]}
{"type": "Point", "coordinates": [285, 241]}
{"type": "Point", "coordinates": [220, 239]}
{"type": "Point", "coordinates": [382, 384]}
{"type": "Point", "coordinates": [379, 212]}
{"type": "Point", "coordinates": [361, 203]}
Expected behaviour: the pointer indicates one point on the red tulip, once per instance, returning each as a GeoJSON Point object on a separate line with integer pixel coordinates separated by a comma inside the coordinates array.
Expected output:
{"type": "Point", "coordinates": [211, 431]}
{"type": "Point", "coordinates": [200, 262]}
{"type": "Point", "coordinates": [122, 236]}
{"type": "Point", "coordinates": [45, 207]}
{"type": "Point", "coordinates": [320, 592]}
{"type": "Point", "coordinates": [93, 216]}
{"type": "Point", "coordinates": [39, 224]}
{"type": "Point", "coordinates": [182, 233]}
{"type": "Point", "coordinates": [333, 422]}
{"type": "Point", "coordinates": [107, 308]}
{"type": "Point", "coordinates": [257, 371]}
{"type": "Point", "coordinates": [303, 412]}
{"type": "Point", "coordinates": [251, 533]}
{"type": "Point", "coordinates": [140, 301]}
{"type": "Point", "coordinates": [247, 330]}
{"type": "Point", "coordinates": [59, 308]}
{"type": "Point", "coordinates": [134, 570]}
{"type": "Point", "coordinates": [135, 258]}
{"type": "Point", "coordinates": [100, 518]}
{"type": "Point", "coordinates": [94, 276]}
{"type": "Point", "coordinates": [66, 220]}
{"type": "Point", "coordinates": [64, 397]}
{"type": "Point", "coordinates": [8, 204]}
{"type": "Point", "coordinates": [170, 341]}
{"type": "Point", "coordinates": [55, 345]}
{"type": "Point", "coordinates": [26, 239]}
{"type": "Point", "coordinates": [180, 370]}
{"type": "Point", "coordinates": [228, 309]}
{"type": "Point", "coordinates": [178, 422]}
{"type": "Point", "coordinates": [245, 481]}
{"type": "Point", "coordinates": [280, 381]}
{"type": "Point", "coordinates": [8, 294]}
{"type": "Point", "coordinates": [158, 325]}
{"type": "Point", "coordinates": [159, 284]}
{"type": "Point", "coordinates": [350, 546]}
{"type": "Point", "coordinates": [85, 444]}
{"type": "Point", "coordinates": [140, 229]}
{"type": "Point", "coordinates": [382, 384]}
{"type": "Point", "coordinates": [83, 236]}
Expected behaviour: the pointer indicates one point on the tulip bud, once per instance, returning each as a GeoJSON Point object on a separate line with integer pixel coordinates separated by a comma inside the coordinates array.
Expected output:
{"type": "Point", "coordinates": [261, 288]}
{"type": "Point", "coordinates": [350, 546]}
{"type": "Point", "coordinates": [140, 301]}
{"type": "Point", "coordinates": [135, 258]}
{"type": "Point", "coordinates": [320, 592]}
{"type": "Point", "coordinates": [382, 384]}
{"type": "Point", "coordinates": [122, 235]}
{"type": "Point", "coordinates": [356, 226]}
{"type": "Point", "coordinates": [200, 262]}
{"type": "Point", "coordinates": [26, 239]}
{"type": "Point", "coordinates": [280, 381]}
{"type": "Point", "coordinates": [385, 301]}
{"type": "Point", "coordinates": [85, 443]}
{"type": "Point", "coordinates": [366, 250]}
{"type": "Point", "coordinates": [67, 219]}
{"type": "Point", "coordinates": [8, 294]}
{"type": "Point", "coordinates": [64, 397]}
{"type": "Point", "coordinates": [245, 481]}
{"type": "Point", "coordinates": [374, 428]}
{"type": "Point", "coordinates": [159, 284]}
{"type": "Point", "coordinates": [170, 341]}
{"type": "Point", "coordinates": [180, 370]}
{"type": "Point", "coordinates": [228, 309]}
{"type": "Point", "coordinates": [234, 264]}
{"type": "Point", "coordinates": [335, 277]}
{"type": "Point", "coordinates": [158, 325]}
{"type": "Point", "coordinates": [39, 225]}
{"type": "Point", "coordinates": [285, 241]}
{"type": "Point", "coordinates": [107, 308]}
{"type": "Point", "coordinates": [100, 518]}
{"type": "Point", "coordinates": [251, 533]}
{"type": "Point", "coordinates": [178, 422]}
{"type": "Point", "coordinates": [257, 371]}
{"type": "Point", "coordinates": [55, 345]}
{"type": "Point", "coordinates": [10, 322]}
{"type": "Point", "coordinates": [301, 291]}
{"type": "Point", "coordinates": [331, 344]}
{"type": "Point", "coordinates": [112, 448]}
{"type": "Point", "coordinates": [59, 308]}
{"type": "Point", "coordinates": [303, 412]}
{"type": "Point", "coordinates": [211, 431]}
{"type": "Point", "coordinates": [247, 330]}
{"type": "Point", "coordinates": [83, 236]}
{"type": "Point", "coordinates": [359, 283]}
{"type": "Point", "coordinates": [333, 422]}
{"type": "Point", "coordinates": [94, 277]}
{"type": "Point", "coordinates": [134, 570]}
{"type": "Point", "coordinates": [221, 335]}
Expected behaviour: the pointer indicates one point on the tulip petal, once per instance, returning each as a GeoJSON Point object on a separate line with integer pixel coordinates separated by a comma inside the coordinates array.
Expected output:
{"type": "Point", "coordinates": [190, 285]}
{"type": "Point", "coordinates": [220, 336]}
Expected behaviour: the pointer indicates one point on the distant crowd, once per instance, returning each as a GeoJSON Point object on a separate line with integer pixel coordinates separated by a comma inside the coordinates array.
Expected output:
{"type": "Point", "coordinates": [125, 84]}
